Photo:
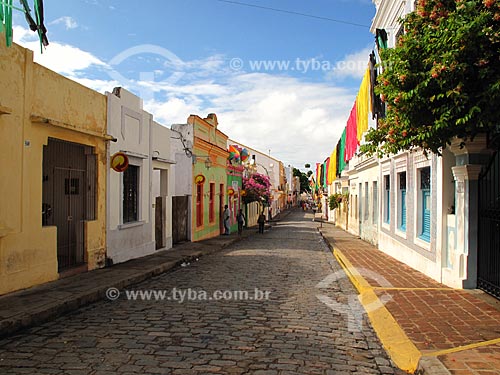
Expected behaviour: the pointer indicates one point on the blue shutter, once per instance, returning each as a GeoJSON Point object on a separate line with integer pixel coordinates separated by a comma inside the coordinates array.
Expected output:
{"type": "Point", "coordinates": [388, 206]}
{"type": "Point", "coordinates": [426, 216]}
{"type": "Point", "coordinates": [403, 210]}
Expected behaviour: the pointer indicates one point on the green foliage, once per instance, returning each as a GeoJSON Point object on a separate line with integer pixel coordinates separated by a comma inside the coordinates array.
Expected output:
{"type": "Point", "coordinates": [304, 182]}
{"type": "Point", "coordinates": [442, 80]}
{"type": "Point", "coordinates": [334, 200]}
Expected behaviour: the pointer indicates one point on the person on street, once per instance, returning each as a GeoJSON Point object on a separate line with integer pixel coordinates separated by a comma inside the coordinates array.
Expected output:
{"type": "Point", "coordinates": [225, 216]}
{"type": "Point", "coordinates": [261, 220]}
{"type": "Point", "coordinates": [240, 218]}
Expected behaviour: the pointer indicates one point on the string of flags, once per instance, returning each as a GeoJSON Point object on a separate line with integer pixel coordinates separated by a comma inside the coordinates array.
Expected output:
{"type": "Point", "coordinates": [35, 23]}
{"type": "Point", "coordinates": [357, 124]}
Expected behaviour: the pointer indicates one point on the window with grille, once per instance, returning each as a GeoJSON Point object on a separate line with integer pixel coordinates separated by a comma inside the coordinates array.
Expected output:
{"type": "Point", "coordinates": [131, 194]}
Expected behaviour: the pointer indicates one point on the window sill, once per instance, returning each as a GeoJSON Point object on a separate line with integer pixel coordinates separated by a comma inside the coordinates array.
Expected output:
{"type": "Point", "coordinates": [422, 243]}
{"type": "Point", "coordinates": [131, 225]}
{"type": "Point", "coordinates": [401, 232]}
{"type": "Point", "coordinates": [5, 110]}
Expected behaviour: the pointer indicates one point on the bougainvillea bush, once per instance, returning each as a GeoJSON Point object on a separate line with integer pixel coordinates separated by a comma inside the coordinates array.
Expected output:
{"type": "Point", "coordinates": [257, 187]}
{"type": "Point", "coordinates": [442, 80]}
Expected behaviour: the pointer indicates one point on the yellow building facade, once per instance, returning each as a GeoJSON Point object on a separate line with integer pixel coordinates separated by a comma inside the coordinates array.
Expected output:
{"type": "Point", "coordinates": [52, 176]}
{"type": "Point", "coordinates": [209, 180]}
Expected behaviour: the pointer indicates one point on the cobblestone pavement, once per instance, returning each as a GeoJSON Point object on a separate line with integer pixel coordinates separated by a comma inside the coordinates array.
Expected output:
{"type": "Point", "coordinates": [291, 332]}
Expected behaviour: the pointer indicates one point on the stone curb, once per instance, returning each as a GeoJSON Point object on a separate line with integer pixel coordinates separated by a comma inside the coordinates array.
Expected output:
{"type": "Point", "coordinates": [399, 347]}
{"type": "Point", "coordinates": [426, 365]}
{"type": "Point", "coordinates": [431, 366]}
{"type": "Point", "coordinates": [55, 308]}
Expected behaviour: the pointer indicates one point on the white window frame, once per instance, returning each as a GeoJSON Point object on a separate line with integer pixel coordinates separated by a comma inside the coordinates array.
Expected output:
{"type": "Point", "coordinates": [375, 202]}
{"type": "Point", "coordinates": [386, 206]}
{"type": "Point", "coordinates": [420, 162]}
{"type": "Point", "coordinates": [399, 205]}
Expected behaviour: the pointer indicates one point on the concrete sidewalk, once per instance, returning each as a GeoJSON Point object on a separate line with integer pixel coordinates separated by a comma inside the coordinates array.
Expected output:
{"type": "Point", "coordinates": [425, 326]}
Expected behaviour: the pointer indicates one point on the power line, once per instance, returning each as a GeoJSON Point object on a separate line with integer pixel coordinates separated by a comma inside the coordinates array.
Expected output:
{"type": "Point", "coordinates": [292, 12]}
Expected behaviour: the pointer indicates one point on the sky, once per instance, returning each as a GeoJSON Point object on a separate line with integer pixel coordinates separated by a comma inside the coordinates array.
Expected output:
{"type": "Point", "coordinates": [279, 82]}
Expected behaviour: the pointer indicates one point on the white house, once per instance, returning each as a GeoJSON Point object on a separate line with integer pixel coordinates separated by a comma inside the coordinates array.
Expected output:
{"type": "Point", "coordinates": [264, 164]}
{"type": "Point", "coordinates": [430, 206]}
{"type": "Point", "coordinates": [182, 152]}
{"type": "Point", "coordinates": [139, 198]}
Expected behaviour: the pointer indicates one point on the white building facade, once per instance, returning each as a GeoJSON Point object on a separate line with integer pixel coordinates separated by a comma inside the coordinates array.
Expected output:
{"type": "Point", "coordinates": [182, 153]}
{"type": "Point", "coordinates": [134, 228]}
{"type": "Point", "coordinates": [428, 205]}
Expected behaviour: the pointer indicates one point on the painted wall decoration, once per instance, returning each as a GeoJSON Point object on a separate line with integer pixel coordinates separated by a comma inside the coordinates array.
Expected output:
{"type": "Point", "coordinates": [119, 162]}
{"type": "Point", "coordinates": [199, 179]}
{"type": "Point", "coordinates": [244, 154]}
{"type": "Point", "coordinates": [234, 153]}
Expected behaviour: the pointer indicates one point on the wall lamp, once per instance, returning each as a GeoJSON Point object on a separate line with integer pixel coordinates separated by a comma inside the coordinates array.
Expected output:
{"type": "Point", "coordinates": [208, 162]}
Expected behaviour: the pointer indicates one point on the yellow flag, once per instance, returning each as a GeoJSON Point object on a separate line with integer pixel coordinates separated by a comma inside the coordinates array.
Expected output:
{"type": "Point", "coordinates": [362, 105]}
{"type": "Point", "coordinates": [332, 167]}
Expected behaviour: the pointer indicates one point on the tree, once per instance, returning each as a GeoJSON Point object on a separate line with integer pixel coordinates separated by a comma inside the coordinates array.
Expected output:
{"type": "Point", "coordinates": [257, 187]}
{"type": "Point", "coordinates": [304, 182]}
{"type": "Point", "coordinates": [442, 80]}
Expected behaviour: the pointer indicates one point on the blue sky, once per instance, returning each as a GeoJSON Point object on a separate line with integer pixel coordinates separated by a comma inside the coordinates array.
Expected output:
{"type": "Point", "coordinates": [199, 56]}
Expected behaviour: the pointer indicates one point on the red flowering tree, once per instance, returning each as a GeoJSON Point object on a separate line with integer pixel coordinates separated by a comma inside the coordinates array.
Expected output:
{"type": "Point", "coordinates": [257, 187]}
{"type": "Point", "coordinates": [442, 80]}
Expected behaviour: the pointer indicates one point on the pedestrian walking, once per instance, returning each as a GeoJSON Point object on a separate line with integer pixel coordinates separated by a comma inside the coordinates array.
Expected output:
{"type": "Point", "coordinates": [261, 220]}
{"type": "Point", "coordinates": [225, 216]}
{"type": "Point", "coordinates": [240, 218]}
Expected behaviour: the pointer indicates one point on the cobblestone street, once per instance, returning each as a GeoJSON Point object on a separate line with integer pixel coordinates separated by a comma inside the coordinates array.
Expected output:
{"type": "Point", "coordinates": [291, 332]}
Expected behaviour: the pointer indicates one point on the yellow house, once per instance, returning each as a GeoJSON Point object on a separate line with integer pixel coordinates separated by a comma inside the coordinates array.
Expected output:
{"type": "Point", "coordinates": [52, 176]}
{"type": "Point", "coordinates": [209, 176]}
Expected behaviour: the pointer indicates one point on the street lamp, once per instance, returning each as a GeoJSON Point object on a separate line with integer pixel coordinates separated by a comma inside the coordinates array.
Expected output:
{"type": "Point", "coordinates": [252, 166]}
{"type": "Point", "coordinates": [207, 162]}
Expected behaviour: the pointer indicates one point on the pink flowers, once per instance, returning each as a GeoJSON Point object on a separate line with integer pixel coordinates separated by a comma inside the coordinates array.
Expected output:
{"type": "Point", "coordinates": [257, 187]}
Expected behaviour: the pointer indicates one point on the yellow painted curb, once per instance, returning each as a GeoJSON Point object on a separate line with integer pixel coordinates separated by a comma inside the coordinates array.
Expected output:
{"type": "Point", "coordinates": [400, 348]}
{"type": "Point", "coordinates": [403, 288]}
{"type": "Point", "coordinates": [463, 347]}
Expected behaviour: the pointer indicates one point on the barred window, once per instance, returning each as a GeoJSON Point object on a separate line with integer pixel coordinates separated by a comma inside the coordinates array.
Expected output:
{"type": "Point", "coordinates": [131, 194]}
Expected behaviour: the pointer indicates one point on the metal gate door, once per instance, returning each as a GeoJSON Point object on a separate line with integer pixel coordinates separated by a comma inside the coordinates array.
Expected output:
{"type": "Point", "coordinates": [179, 219]}
{"type": "Point", "coordinates": [69, 215]}
{"type": "Point", "coordinates": [159, 222]}
{"type": "Point", "coordinates": [489, 228]}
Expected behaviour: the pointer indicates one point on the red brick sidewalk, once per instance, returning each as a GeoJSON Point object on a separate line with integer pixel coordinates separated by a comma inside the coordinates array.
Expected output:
{"type": "Point", "coordinates": [459, 327]}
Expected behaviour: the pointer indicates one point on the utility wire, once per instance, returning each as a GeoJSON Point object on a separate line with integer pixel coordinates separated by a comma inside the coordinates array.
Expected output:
{"type": "Point", "coordinates": [292, 12]}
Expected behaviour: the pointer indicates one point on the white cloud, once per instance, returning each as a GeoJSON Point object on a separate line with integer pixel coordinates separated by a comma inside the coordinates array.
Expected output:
{"type": "Point", "coordinates": [67, 21]}
{"type": "Point", "coordinates": [299, 121]}
{"type": "Point", "coordinates": [98, 85]}
{"type": "Point", "coordinates": [62, 58]}
{"type": "Point", "coordinates": [352, 66]}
